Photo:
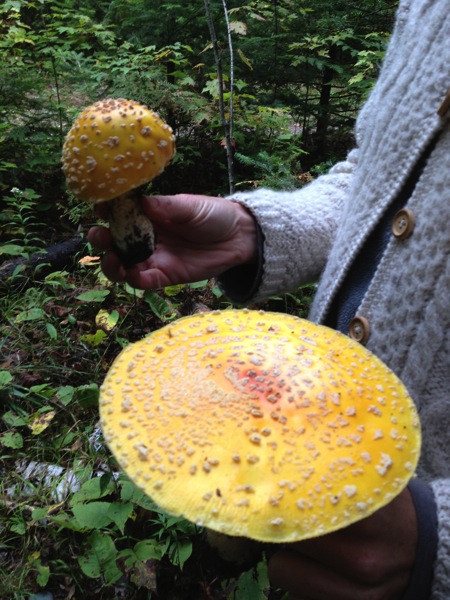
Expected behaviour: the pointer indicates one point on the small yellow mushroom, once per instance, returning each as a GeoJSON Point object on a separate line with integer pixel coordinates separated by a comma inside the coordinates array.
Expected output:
{"type": "Point", "coordinates": [114, 147]}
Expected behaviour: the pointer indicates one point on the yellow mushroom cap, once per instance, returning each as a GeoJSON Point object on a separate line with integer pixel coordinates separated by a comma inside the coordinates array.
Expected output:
{"type": "Point", "coordinates": [260, 424]}
{"type": "Point", "coordinates": [114, 146]}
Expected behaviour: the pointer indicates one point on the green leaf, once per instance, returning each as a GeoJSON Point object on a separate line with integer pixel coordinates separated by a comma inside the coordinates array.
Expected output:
{"type": "Point", "coordinates": [217, 292]}
{"type": "Point", "coordinates": [42, 389]}
{"type": "Point", "coordinates": [11, 439]}
{"type": "Point", "coordinates": [65, 439]}
{"type": "Point", "coordinates": [13, 420]}
{"type": "Point", "coordinates": [198, 284]}
{"type": "Point", "coordinates": [43, 571]}
{"type": "Point", "coordinates": [37, 514]}
{"type": "Point", "coordinates": [148, 549]}
{"type": "Point", "coordinates": [120, 512]}
{"type": "Point", "coordinates": [19, 526]}
{"type": "Point", "coordinates": [159, 306]}
{"type": "Point", "coordinates": [6, 165]}
{"type": "Point", "coordinates": [93, 489]}
{"type": "Point", "coordinates": [130, 492]}
{"type": "Point", "coordinates": [244, 59]}
{"type": "Point", "coordinates": [93, 296]}
{"type": "Point", "coordinates": [251, 584]}
{"type": "Point", "coordinates": [33, 314]}
{"type": "Point", "coordinates": [5, 379]}
{"type": "Point", "coordinates": [87, 395]}
{"type": "Point", "coordinates": [43, 574]}
{"type": "Point", "coordinates": [184, 552]}
{"type": "Point", "coordinates": [93, 515]}
{"type": "Point", "coordinates": [100, 558]}
{"type": "Point", "coordinates": [173, 290]}
{"type": "Point", "coordinates": [133, 291]}
{"type": "Point", "coordinates": [52, 331]}
{"type": "Point", "coordinates": [105, 320]}
{"type": "Point", "coordinates": [180, 551]}
{"type": "Point", "coordinates": [94, 339]}
{"type": "Point", "coordinates": [186, 81]}
{"type": "Point", "coordinates": [65, 394]}
{"type": "Point", "coordinates": [13, 250]}
{"type": "Point", "coordinates": [67, 522]}
{"type": "Point", "coordinates": [212, 88]}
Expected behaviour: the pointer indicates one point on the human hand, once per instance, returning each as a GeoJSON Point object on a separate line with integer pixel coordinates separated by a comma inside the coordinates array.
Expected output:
{"type": "Point", "coordinates": [371, 559]}
{"type": "Point", "coordinates": [197, 237]}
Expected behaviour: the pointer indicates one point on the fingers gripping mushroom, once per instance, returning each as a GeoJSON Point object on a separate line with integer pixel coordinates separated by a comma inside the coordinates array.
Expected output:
{"type": "Point", "coordinates": [114, 147]}
{"type": "Point", "coordinates": [260, 425]}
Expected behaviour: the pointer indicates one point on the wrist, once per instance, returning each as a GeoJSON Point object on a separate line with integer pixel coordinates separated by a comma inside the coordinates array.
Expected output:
{"type": "Point", "coordinates": [241, 283]}
{"type": "Point", "coordinates": [248, 244]}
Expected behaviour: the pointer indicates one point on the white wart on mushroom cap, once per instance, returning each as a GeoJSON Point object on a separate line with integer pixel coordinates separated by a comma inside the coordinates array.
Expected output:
{"type": "Point", "coordinates": [260, 424]}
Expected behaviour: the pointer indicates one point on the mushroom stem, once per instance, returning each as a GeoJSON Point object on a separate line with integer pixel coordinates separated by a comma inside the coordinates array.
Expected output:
{"type": "Point", "coordinates": [131, 229]}
{"type": "Point", "coordinates": [234, 549]}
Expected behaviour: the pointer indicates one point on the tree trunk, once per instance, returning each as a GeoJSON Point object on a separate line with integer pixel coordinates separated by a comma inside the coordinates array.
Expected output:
{"type": "Point", "coordinates": [323, 117]}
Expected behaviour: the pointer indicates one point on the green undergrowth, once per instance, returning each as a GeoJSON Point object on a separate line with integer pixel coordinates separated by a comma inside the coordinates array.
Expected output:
{"type": "Point", "coordinates": [71, 524]}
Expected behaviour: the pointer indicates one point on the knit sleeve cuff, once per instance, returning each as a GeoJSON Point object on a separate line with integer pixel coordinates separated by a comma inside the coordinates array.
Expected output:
{"type": "Point", "coordinates": [420, 583]}
{"type": "Point", "coordinates": [240, 284]}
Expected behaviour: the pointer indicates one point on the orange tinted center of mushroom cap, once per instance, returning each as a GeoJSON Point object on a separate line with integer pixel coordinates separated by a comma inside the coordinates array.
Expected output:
{"type": "Point", "coordinates": [114, 146]}
{"type": "Point", "coordinates": [260, 425]}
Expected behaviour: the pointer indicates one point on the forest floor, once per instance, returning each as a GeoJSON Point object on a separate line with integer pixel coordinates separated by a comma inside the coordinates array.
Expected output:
{"type": "Point", "coordinates": [59, 332]}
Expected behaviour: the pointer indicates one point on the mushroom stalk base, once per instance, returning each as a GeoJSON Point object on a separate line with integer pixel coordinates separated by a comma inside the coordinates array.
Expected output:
{"type": "Point", "coordinates": [132, 231]}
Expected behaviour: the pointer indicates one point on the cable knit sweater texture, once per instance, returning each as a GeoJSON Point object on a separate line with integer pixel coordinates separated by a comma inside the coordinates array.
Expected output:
{"type": "Point", "coordinates": [315, 234]}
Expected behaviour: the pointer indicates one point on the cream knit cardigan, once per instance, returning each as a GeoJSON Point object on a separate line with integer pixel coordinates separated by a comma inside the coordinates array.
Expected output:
{"type": "Point", "coordinates": [316, 232]}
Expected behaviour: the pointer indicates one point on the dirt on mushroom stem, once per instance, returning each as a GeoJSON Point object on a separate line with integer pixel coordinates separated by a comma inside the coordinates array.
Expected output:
{"type": "Point", "coordinates": [132, 231]}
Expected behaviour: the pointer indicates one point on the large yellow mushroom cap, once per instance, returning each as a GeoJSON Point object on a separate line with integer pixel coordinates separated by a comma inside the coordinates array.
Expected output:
{"type": "Point", "coordinates": [260, 424]}
{"type": "Point", "coordinates": [114, 146]}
